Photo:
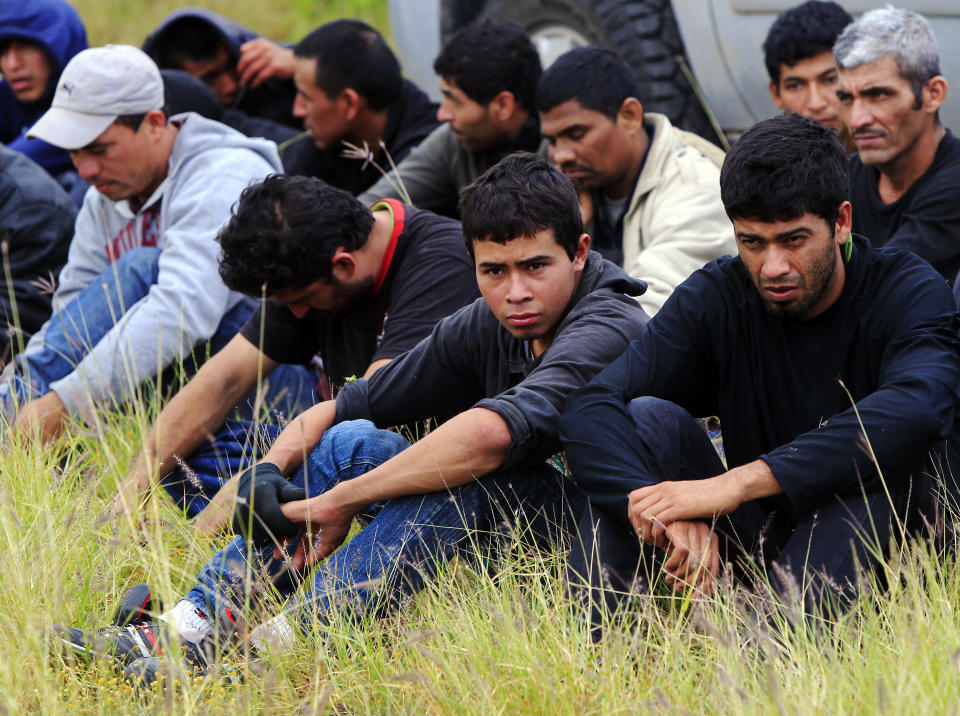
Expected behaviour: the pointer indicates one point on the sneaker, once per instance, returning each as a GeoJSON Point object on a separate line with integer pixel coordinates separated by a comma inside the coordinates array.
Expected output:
{"type": "Point", "coordinates": [124, 645]}
{"type": "Point", "coordinates": [151, 669]}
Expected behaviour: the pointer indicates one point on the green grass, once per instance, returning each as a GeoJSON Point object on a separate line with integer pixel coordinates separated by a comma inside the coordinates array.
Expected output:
{"type": "Point", "coordinates": [129, 21]}
{"type": "Point", "coordinates": [500, 640]}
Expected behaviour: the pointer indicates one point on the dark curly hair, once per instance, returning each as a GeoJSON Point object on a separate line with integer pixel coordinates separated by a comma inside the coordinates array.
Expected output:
{"type": "Point", "coordinates": [783, 168]}
{"type": "Point", "coordinates": [488, 57]}
{"type": "Point", "coordinates": [283, 233]}
{"type": "Point", "coordinates": [801, 32]}
{"type": "Point", "coordinates": [517, 197]}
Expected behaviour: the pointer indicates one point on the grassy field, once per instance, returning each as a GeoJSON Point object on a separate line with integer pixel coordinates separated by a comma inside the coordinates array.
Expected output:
{"type": "Point", "coordinates": [499, 640]}
{"type": "Point", "coordinates": [129, 21]}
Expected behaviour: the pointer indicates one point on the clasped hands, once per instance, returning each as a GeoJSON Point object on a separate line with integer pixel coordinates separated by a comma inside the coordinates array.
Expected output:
{"type": "Point", "coordinates": [677, 518]}
{"type": "Point", "coordinates": [282, 513]}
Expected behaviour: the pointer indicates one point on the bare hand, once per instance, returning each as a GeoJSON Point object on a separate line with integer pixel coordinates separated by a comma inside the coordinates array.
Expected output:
{"type": "Point", "coordinates": [651, 509]}
{"type": "Point", "coordinates": [44, 416]}
{"type": "Point", "coordinates": [325, 528]}
{"type": "Point", "coordinates": [693, 556]}
{"type": "Point", "coordinates": [261, 59]}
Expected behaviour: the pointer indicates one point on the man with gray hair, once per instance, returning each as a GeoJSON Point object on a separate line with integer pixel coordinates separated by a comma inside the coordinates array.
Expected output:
{"type": "Point", "coordinates": [906, 179]}
{"type": "Point", "coordinates": [140, 287]}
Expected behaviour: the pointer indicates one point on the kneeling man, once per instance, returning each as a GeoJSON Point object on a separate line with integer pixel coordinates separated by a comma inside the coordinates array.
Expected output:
{"type": "Point", "coordinates": [833, 367]}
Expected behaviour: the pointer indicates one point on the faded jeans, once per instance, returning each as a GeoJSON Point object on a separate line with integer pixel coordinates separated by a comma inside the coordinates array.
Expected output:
{"type": "Point", "coordinates": [404, 541]}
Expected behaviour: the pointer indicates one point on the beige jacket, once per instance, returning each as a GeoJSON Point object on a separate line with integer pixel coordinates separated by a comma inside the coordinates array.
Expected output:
{"type": "Point", "coordinates": [675, 222]}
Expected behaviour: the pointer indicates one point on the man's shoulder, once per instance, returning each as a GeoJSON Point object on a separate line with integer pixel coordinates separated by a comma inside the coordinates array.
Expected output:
{"type": "Point", "coordinates": [204, 145]}
{"type": "Point", "coordinates": [947, 160]}
{"type": "Point", "coordinates": [674, 150]}
{"type": "Point", "coordinates": [423, 225]}
{"type": "Point", "coordinates": [22, 181]}
{"type": "Point", "coordinates": [889, 273]}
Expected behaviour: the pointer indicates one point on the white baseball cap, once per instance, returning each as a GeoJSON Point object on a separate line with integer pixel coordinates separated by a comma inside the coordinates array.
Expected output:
{"type": "Point", "coordinates": [97, 86]}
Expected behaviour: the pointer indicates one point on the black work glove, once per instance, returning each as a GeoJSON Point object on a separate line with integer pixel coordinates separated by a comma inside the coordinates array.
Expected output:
{"type": "Point", "coordinates": [265, 493]}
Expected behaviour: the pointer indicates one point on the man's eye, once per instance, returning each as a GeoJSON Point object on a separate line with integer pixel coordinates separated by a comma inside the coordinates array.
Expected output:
{"type": "Point", "coordinates": [536, 266]}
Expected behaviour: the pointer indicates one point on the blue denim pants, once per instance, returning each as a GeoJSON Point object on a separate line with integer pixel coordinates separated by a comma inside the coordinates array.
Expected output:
{"type": "Point", "coordinates": [89, 316]}
{"type": "Point", "coordinates": [401, 545]}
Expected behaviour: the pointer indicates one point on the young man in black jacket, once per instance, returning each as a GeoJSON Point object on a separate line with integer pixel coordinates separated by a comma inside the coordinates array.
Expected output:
{"type": "Point", "coordinates": [552, 315]}
{"type": "Point", "coordinates": [834, 370]}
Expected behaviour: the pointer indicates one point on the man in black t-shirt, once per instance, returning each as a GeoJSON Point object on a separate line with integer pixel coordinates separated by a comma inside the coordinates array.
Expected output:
{"type": "Point", "coordinates": [833, 367]}
{"type": "Point", "coordinates": [354, 287]}
{"type": "Point", "coordinates": [905, 179]}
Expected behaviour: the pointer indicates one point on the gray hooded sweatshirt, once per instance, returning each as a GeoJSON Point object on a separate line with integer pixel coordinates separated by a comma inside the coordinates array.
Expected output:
{"type": "Point", "coordinates": [209, 166]}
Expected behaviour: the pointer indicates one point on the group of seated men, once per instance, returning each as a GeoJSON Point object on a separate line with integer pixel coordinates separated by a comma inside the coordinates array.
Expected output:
{"type": "Point", "coordinates": [552, 268]}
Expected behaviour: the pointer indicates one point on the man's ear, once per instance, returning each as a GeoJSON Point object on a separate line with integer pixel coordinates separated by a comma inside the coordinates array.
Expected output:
{"type": "Point", "coordinates": [155, 122]}
{"type": "Point", "coordinates": [775, 94]}
{"type": "Point", "coordinates": [934, 93]}
{"type": "Point", "coordinates": [343, 265]}
{"type": "Point", "coordinates": [583, 247]}
{"type": "Point", "coordinates": [844, 223]}
{"type": "Point", "coordinates": [352, 103]}
{"type": "Point", "coordinates": [502, 107]}
{"type": "Point", "coordinates": [630, 116]}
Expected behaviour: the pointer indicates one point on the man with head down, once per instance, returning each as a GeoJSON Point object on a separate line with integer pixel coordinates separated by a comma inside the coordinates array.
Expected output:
{"type": "Point", "coordinates": [140, 287]}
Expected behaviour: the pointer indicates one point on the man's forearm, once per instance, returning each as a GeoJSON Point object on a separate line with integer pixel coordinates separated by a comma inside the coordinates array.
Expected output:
{"type": "Point", "coordinates": [301, 435]}
{"type": "Point", "coordinates": [184, 424]}
{"type": "Point", "coordinates": [466, 447]}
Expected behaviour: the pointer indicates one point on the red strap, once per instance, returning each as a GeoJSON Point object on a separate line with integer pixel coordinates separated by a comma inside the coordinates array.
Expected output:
{"type": "Point", "coordinates": [397, 213]}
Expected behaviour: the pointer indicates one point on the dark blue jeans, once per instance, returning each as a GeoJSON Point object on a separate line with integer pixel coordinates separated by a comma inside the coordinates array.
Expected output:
{"type": "Point", "coordinates": [403, 542]}
{"type": "Point", "coordinates": [819, 557]}
{"type": "Point", "coordinates": [88, 317]}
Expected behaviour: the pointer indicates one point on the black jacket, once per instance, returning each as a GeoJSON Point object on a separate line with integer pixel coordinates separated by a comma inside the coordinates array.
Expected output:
{"type": "Point", "coordinates": [784, 389]}
{"type": "Point", "coordinates": [470, 360]}
{"type": "Point", "coordinates": [273, 100]}
{"type": "Point", "coordinates": [36, 221]}
{"type": "Point", "coordinates": [411, 118]}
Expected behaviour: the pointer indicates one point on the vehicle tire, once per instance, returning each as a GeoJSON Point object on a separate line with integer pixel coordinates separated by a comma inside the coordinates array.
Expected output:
{"type": "Point", "coordinates": [643, 32]}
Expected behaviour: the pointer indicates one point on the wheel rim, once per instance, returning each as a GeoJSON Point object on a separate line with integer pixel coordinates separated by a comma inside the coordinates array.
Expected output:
{"type": "Point", "coordinates": [553, 39]}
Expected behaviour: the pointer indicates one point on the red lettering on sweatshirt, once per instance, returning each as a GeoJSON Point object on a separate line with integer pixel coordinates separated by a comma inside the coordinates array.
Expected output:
{"type": "Point", "coordinates": [141, 230]}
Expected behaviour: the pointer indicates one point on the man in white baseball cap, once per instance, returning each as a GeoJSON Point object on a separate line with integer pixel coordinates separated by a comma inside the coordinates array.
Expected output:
{"type": "Point", "coordinates": [141, 287]}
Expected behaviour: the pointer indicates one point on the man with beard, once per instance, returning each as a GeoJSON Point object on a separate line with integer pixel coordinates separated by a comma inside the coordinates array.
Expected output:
{"type": "Point", "coordinates": [354, 285]}
{"type": "Point", "coordinates": [832, 365]}
{"type": "Point", "coordinates": [650, 191]}
{"type": "Point", "coordinates": [905, 178]}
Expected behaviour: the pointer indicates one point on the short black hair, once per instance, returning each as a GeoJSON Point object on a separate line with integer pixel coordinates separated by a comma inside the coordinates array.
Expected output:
{"type": "Point", "coordinates": [802, 32]}
{"type": "Point", "coordinates": [350, 53]}
{"type": "Point", "coordinates": [595, 77]}
{"type": "Point", "coordinates": [783, 168]}
{"type": "Point", "coordinates": [133, 121]}
{"type": "Point", "coordinates": [283, 233]}
{"type": "Point", "coordinates": [517, 197]}
{"type": "Point", "coordinates": [488, 57]}
{"type": "Point", "coordinates": [189, 38]}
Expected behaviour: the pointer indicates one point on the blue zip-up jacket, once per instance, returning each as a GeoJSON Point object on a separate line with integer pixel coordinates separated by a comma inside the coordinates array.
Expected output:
{"type": "Point", "coordinates": [272, 100]}
{"type": "Point", "coordinates": [58, 29]}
